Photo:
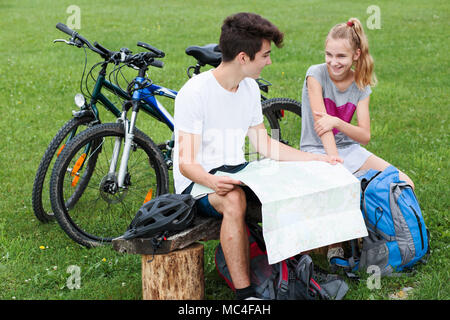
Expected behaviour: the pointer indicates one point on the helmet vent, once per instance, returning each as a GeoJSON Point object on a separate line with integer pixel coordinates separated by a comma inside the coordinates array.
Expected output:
{"type": "Point", "coordinates": [149, 222]}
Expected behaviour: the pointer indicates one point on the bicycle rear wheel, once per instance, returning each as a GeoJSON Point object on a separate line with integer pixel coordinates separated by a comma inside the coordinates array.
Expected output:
{"type": "Point", "coordinates": [41, 204]}
{"type": "Point", "coordinates": [283, 120]}
{"type": "Point", "coordinates": [102, 211]}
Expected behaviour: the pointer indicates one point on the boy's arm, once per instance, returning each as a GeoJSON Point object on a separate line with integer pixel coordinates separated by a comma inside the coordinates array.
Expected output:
{"type": "Point", "coordinates": [189, 145]}
{"type": "Point", "coordinates": [273, 149]}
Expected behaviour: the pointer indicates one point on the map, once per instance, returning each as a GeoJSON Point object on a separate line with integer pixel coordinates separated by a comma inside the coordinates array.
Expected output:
{"type": "Point", "coordinates": [305, 204]}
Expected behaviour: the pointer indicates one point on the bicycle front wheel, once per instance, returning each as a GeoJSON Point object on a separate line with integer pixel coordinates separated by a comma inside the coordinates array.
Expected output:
{"type": "Point", "coordinates": [283, 120]}
{"type": "Point", "coordinates": [40, 198]}
{"type": "Point", "coordinates": [102, 210]}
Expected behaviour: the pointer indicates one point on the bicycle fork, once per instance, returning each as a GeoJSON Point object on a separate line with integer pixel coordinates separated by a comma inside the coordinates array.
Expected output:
{"type": "Point", "coordinates": [129, 136]}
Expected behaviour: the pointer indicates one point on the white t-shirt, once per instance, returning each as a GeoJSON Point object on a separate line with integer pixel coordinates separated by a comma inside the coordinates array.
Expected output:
{"type": "Point", "coordinates": [221, 117]}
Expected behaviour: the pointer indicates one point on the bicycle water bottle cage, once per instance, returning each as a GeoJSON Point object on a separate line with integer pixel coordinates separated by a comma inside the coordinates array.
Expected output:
{"type": "Point", "coordinates": [208, 54]}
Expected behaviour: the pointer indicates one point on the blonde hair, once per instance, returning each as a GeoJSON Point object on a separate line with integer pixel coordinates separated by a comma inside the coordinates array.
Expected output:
{"type": "Point", "coordinates": [353, 31]}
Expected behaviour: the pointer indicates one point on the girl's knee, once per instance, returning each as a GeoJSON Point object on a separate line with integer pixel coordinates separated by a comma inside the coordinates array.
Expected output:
{"type": "Point", "coordinates": [403, 176]}
{"type": "Point", "coordinates": [377, 163]}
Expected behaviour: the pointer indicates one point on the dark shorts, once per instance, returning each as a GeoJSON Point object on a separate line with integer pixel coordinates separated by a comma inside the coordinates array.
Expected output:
{"type": "Point", "coordinates": [203, 206]}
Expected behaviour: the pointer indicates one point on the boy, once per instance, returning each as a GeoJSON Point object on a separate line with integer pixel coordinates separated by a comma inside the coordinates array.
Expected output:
{"type": "Point", "coordinates": [214, 112]}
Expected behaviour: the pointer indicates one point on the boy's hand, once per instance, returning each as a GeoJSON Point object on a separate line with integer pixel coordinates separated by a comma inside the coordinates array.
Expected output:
{"type": "Point", "coordinates": [334, 159]}
{"type": "Point", "coordinates": [330, 159]}
{"type": "Point", "coordinates": [222, 184]}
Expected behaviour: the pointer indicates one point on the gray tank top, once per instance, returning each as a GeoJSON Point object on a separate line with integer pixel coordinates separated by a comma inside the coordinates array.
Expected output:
{"type": "Point", "coordinates": [341, 104]}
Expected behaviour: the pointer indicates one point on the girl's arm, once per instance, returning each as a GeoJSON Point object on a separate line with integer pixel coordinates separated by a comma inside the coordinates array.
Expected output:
{"type": "Point", "coordinates": [359, 133]}
{"type": "Point", "coordinates": [318, 107]}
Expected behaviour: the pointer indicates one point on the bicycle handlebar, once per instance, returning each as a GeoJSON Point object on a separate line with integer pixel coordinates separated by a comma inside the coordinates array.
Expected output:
{"type": "Point", "coordinates": [76, 36]}
{"type": "Point", "coordinates": [142, 60]}
{"type": "Point", "coordinates": [103, 49]}
{"type": "Point", "coordinates": [139, 60]}
{"type": "Point", "coordinates": [62, 27]}
{"type": "Point", "coordinates": [156, 51]}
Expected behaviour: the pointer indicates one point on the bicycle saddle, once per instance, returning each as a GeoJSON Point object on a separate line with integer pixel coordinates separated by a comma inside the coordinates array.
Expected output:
{"type": "Point", "coordinates": [208, 54]}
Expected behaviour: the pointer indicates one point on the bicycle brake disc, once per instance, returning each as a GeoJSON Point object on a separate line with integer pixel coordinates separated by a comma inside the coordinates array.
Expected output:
{"type": "Point", "coordinates": [110, 191]}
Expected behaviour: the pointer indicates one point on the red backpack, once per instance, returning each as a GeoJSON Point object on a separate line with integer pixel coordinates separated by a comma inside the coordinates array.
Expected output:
{"type": "Point", "coordinates": [291, 279]}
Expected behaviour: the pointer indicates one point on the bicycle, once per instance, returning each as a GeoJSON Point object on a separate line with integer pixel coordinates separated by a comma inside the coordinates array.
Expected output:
{"type": "Point", "coordinates": [80, 159]}
{"type": "Point", "coordinates": [88, 115]}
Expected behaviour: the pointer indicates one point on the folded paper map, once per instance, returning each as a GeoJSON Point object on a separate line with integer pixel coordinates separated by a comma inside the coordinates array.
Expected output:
{"type": "Point", "coordinates": [305, 204]}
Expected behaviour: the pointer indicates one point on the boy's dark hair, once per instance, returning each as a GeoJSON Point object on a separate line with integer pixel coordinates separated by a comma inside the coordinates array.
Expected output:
{"type": "Point", "coordinates": [244, 32]}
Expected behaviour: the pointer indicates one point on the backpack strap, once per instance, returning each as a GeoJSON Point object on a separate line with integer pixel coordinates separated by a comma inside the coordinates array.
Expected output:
{"type": "Point", "coordinates": [349, 265]}
{"type": "Point", "coordinates": [267, 284]}
{"type": "Point", "coordinates": [373, 228]}
{"type": "Point", "coordinates": [271, 287]}
{"type": "Point", "coordinates": [292, 278]}
{"type": "Point", "coordinates": [336, 289]}
{"type": "Point", "coordinates": [365, 182]}
{"type": "Point", "coordinates": [304, 269]}
{"type": "Point", "coordinates": [255, 230]}
{"type": "Point", "coordinates": [283, 283]}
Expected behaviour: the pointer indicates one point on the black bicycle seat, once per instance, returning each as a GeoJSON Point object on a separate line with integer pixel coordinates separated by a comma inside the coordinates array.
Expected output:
{"type": "Point", "coordinates": [208, 54]}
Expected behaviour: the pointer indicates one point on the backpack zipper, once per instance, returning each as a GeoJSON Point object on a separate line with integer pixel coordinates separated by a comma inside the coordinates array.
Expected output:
{"type": "Point", "coordinates": [420, 225]}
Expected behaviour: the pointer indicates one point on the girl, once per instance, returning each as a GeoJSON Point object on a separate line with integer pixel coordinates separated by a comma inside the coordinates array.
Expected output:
{"type": "Point", "coordinates": [332, 92]}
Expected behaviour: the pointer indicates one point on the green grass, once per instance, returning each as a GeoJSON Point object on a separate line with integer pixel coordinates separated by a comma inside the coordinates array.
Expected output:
{"type": "Point", "coordinates": [409, 109]}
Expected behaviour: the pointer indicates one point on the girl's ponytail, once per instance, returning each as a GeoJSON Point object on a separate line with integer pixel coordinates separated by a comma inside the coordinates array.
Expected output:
{"type": "Point", "coordinates": [364, 74]}
{"type": "Point", "coordinates": [353, 31]}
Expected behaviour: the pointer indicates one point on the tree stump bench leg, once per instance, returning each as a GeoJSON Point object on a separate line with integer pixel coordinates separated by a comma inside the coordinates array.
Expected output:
{"type": "Point", "coordinates": [177, 275]}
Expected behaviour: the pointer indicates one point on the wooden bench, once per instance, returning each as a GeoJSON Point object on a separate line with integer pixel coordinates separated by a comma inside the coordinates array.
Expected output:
{"type": "Point", "coordinates": [175, 270]}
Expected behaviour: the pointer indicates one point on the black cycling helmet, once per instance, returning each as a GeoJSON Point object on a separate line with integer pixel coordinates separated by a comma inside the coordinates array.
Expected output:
{"type": "Point", "coordinates": [166, 213]}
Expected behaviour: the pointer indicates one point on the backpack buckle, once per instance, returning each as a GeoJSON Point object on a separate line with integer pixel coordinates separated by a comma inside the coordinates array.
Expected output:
{"type": "Point", "coordinates": [284, 286]}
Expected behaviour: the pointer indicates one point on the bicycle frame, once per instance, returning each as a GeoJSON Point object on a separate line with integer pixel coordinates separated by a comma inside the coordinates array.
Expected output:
{"type": "Point", "coordinates": [98, 96]}
{"type": "Point", "coordinates": [152, 106]}
{"type": "Point", "coordinates": [147, 102]}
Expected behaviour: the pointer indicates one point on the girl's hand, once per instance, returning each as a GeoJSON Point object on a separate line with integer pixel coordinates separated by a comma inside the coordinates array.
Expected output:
{"type": "Point", "coordinates": [325, 123]}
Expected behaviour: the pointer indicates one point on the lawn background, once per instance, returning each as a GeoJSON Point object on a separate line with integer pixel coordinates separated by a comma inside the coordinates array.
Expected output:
{"type": "Point", "coordinates": [38, 79]}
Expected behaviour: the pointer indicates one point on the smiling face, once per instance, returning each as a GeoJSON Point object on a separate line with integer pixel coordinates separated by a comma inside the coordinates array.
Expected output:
{"type": "Point", "coordinates": [339, 57]}
{"type": "Point", "coordinates": [253, 68]}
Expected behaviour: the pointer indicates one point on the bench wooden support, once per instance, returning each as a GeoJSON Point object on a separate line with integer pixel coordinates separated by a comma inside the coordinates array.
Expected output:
{"type": "Point", "coordinates": [174, 271]}
{"type": "Point", "coordinates": [177, 275]}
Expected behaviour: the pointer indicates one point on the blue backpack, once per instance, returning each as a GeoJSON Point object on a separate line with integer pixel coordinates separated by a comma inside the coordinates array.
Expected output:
{"type": "Point", "coordinates": [398, 237]}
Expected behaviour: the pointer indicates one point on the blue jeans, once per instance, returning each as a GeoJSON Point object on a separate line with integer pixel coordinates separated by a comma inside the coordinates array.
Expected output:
{"type": "Point", "coordinates": [204, 207]}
